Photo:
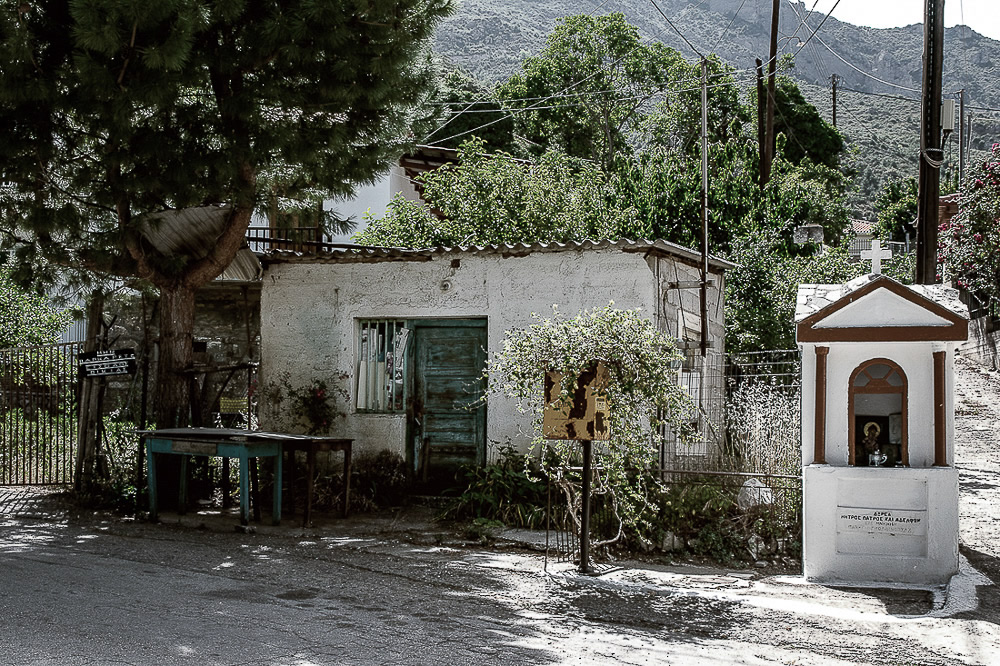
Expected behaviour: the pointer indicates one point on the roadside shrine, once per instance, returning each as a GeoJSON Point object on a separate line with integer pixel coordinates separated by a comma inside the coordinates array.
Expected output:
{"type": "Point", "coordinates": [880, 490]}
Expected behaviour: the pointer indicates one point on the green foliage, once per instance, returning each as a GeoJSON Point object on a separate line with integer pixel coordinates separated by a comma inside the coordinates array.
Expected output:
{"type": "Point", "coordinates": [493, 199]}
{"type": "Point", "coordinates": [509, 492]}
{"type": "Point", "coordinates": [642, 394]}
{"type": "Point", "coordinates": [594, 74]}
{"type": "Point", "coordinates": [469, 108]}
{"type": "Point", "coordinates": [27, 319]}
{"type": "Point", "coordinates": [762, 289]}
{"type": "Point", "coordinates": [970, 243]}
{"type": "Point", "coordinates": [704, 516]}
{"type": "Point", "coordinates": [379, 480]}
{"type": "Point", "coordinates": [807, 135]}
{"type": "Point", "coordinates": [897, 208]}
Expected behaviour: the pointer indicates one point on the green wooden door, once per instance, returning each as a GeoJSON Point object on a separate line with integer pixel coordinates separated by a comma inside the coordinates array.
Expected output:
{"type": "Point", "coordinates": [447, 418]}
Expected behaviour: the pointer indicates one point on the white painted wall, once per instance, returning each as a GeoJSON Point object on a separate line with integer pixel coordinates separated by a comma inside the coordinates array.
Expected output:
{"type": "Point", "coordinates": [838, 549]}
{"type": "Point", "coordinates": [309, 314]}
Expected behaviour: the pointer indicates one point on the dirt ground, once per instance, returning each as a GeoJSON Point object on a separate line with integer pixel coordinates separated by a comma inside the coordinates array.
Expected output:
{"type": "Point", "coordinates": [977, 456]}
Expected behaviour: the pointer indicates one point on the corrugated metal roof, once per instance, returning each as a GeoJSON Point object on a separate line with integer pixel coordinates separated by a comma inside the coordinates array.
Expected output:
{"type": "Point", "coordinates": [369, 254]}
{"type": "Point", "coordinates": [193, 231]}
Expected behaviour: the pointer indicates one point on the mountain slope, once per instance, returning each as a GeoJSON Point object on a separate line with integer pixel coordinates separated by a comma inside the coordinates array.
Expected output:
{"type": "Point", "coordinates": [876, 67]}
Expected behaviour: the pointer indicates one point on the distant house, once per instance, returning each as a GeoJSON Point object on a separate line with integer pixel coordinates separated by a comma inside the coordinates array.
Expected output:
{"type": "Point", "coordinates": [372, 198]}
{"type": "Point", "coordinates": [861, 233]}
{"type": "Point", "coordinates": [402, 336]}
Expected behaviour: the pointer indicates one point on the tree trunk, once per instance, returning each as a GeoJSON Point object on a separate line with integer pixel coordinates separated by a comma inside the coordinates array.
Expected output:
{"type": "Point", "coordinates": [173, 383]}
{"type": "Point", "coordinates": [88, 417]}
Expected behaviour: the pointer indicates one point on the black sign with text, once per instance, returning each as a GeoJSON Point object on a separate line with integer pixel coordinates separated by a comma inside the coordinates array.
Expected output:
{"type": "Point", "coordinates": [107, 363]}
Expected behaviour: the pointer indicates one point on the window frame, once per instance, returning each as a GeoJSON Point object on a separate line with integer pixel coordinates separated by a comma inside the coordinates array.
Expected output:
{"type": "Point", "coordinates": [368, 376]}
{"type": "Point", "coordinates": [876, 386]}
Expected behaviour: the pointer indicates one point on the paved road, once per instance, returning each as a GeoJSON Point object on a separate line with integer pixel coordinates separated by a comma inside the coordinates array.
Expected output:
{"type": "Point", "coordinates": [78, 590]}
{"type": "Point", "coordinates": [76, 593]}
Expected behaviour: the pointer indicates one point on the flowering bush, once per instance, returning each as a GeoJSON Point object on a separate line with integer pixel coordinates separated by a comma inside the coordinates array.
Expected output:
{"type": "Point", "coordinates": [969, 244]}
{"type": "Point", "coordinates": [642, 396]}
{"type": "Point", "coordinates": [315, 405]}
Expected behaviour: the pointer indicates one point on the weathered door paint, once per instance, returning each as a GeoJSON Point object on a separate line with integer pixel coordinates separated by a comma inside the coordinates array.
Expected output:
{"type": "Point", "coordinates": [447, 420]}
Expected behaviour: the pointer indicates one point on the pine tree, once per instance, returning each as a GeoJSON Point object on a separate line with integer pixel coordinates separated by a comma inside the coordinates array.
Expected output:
{"type": "Point", "coordinates": [114, 110]}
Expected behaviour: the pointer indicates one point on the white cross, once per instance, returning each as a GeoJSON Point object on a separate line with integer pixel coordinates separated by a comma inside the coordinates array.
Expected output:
{"type": "Point", "coordinates": [876, 255]}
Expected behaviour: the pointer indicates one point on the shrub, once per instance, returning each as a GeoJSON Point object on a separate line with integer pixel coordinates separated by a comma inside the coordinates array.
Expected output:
{"type": "Point", "coordinates": [510, 491]}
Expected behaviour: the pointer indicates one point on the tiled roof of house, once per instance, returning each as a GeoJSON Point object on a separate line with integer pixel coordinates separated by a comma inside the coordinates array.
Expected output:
{"type": "Point", "coordinates": [364, 254]}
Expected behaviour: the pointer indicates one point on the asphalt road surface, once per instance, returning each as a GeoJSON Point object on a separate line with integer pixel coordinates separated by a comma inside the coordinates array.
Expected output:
{"type": "Point", "coordinates": [91, 589]}
{"type": "Point", "coordinates": [109, 592]}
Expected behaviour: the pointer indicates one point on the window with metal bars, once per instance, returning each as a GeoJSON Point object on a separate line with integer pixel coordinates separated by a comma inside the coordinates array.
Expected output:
{"type": "Point", "coordinates": [381, 367]}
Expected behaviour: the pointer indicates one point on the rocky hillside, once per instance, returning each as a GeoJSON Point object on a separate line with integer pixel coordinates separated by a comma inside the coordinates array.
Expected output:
{"type": "Point", "coordinates": [876, 67]}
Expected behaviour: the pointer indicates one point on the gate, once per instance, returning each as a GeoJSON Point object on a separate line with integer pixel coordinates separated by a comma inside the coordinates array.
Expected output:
{"type": "Point", "coordinates": [38, 425]}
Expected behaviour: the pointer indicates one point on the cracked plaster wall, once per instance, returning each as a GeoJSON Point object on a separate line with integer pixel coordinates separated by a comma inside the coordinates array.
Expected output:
{"type": "Point", "coordinates": [309, 314]}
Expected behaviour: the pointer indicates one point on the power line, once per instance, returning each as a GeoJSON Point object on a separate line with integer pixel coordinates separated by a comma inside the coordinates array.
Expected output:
{"type": "Point", "coordinates": [885, 95]}
{"type": "Point", "coordinates": [486, 93]}
{"type": "Point", "coordinates": [841, 58]}
{"type": "Point", "coordinates": [731, 21]}
{"type": "Point", "coordinates": [509, 113]}
{"type": "Point", "coordinates": [679, 33]}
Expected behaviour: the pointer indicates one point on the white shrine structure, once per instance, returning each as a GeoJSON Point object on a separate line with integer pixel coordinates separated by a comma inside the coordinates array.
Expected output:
{"type": "Point", "coordinates": [880, 490]}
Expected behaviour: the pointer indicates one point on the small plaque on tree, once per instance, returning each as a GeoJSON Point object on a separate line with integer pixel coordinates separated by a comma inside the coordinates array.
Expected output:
{"type": "Point", "coordinates": [583, 415]}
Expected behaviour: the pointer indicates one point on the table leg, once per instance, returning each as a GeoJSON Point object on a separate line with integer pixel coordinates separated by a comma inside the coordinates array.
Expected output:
{"type": "Point", "coordinates": [292, 477]}
{"type": "Point", "coordinates": [276, 509]}
{"type": "Point", "coordinates": [254, 490]}
{"type": "Point", "coordinates": [310, 474]}
{"type": "Point", "coordinates": [151, 465]}
{"type": "Point", "coordinates": [182, 496]}
{"type": "Point", "coordinates": [225, 484]}
{"type": "Point", "coordinates": [347, 481]}
{"type": "Point", "coordinates": [244, 490]}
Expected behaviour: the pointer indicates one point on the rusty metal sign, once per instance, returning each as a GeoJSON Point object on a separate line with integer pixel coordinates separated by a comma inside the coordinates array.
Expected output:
{"type": "Point", "coordinates": [585, 417]}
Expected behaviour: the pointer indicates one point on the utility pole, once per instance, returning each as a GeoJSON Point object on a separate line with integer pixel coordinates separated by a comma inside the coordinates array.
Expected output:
{"type": "Point", "coordinates": [961, 139]}
{"type": "Point", "coordinates": [931, 155]}
{"type": "Point", "coordinates": [772, 63]}
{"type": "Point", "coordinates": [761, 113]}
{"type": "Point", "coordinates": [704, 207]}
{"type": "Point", "coordinates": [833, 80]}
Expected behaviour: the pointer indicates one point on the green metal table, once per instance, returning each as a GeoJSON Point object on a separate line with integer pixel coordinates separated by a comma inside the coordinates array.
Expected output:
{"type": "Point", "coordinates": [217, 442]}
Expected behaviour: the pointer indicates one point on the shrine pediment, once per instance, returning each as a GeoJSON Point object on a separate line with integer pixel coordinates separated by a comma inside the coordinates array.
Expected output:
{"type": "Point", "coordinates": [877, 308]}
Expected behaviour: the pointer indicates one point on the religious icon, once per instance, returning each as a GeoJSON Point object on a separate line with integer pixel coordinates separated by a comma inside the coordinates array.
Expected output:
{"type": "Point", "coordinates": [870, 441]}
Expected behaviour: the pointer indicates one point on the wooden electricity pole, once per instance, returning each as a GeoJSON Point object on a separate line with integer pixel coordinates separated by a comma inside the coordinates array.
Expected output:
{"type": "Point", "coordinates": [768, 155]}
{"type": "Point", "coordinates": [833, 80]}
{"type": "Point", "coordinates": [931, 155]}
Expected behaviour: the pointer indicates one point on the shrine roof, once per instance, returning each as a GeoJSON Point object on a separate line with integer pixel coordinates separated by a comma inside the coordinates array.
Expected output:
{"type": "Point", "coordinates": [893, 311]}
{"type": "Point", "coordinates": [814, 297]}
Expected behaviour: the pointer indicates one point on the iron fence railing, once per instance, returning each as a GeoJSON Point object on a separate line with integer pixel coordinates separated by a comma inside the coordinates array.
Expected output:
{"type": "Point", "coordinates": [38, 414]}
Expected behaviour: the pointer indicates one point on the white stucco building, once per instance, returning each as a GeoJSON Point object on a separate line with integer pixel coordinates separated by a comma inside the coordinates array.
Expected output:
{"type": "Point", "coordinates": [403, 335]}
{"type": "Point", "coordinates": [880, 490]}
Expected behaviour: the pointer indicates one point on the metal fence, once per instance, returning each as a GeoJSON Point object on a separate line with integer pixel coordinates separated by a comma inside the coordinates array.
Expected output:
{"type": "Point", "coordinates": [38, 414]}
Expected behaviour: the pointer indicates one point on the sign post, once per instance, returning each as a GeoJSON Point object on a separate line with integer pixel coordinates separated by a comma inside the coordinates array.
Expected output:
{"type": "Point", "coordinates": [584, 418]}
